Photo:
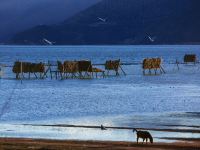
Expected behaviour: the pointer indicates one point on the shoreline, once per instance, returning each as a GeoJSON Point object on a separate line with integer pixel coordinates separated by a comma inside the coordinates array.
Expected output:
{"type": "Point", "coordinates": [43, 144]}
{"type": "Point", "coordinates": [165, 130]}
{"type": "Point", "coordinates": [122, 128]}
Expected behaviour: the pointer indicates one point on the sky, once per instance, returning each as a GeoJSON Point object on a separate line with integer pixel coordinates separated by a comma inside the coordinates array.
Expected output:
{"type": "Point", "coordinates": [18, 15]}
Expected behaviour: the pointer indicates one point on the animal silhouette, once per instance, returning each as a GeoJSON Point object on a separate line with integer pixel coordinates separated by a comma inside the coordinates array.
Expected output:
{"type": "Point", "coordinates": [145, 135]}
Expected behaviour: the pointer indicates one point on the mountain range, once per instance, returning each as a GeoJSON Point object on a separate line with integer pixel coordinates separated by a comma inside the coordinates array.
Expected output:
{"type": "Point", "coordinates": [19, 15]}
{"type": "Point", "coordinates": [123, 22]}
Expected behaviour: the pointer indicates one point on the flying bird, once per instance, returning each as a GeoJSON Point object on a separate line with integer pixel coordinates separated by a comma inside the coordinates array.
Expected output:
{"type": "Point", "coordinates": [152, 39]}
{"type": "Point", "coordinates": [102, 19]}
{"type": "Point", "coordinates": [48, 42]}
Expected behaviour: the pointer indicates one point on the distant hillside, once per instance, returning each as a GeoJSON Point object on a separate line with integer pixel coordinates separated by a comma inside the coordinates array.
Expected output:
{"type": "Point", "coordinates": [19, 15]}
{"type": "Point", "coordinates": [124, 22]}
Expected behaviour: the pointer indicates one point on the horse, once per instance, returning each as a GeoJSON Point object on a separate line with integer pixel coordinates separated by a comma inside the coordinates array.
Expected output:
{"type": "Point", "coordinates": [145, 135]}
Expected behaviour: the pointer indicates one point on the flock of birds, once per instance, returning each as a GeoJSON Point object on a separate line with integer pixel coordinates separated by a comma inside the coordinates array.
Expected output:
{"type": "Point", "coordinates": [104, 20]}
{"type": "Point", "coordinates": [152, 39]}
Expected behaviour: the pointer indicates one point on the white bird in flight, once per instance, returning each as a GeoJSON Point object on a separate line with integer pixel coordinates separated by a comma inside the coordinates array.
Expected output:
{"type": "Point", "coordinates": [48, 42]}
{"type": "Point", "coordinates": [102, 19]}
{"type": "Point", "coordinates": [152, 39]}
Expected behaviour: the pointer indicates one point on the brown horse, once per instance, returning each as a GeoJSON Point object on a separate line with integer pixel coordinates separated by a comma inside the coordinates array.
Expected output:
{"type": "Point", "coordinates": [145, 135]}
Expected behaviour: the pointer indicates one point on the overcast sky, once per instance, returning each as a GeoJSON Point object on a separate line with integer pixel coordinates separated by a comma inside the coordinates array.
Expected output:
{"type": "Point", "coordinates": [17, 15]}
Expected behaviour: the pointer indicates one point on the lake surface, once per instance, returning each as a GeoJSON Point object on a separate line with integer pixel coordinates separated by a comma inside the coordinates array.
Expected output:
{"type": "Point", "coordinates": [98, 54]}
{"type": "Point", "coordinates": [133, 100]}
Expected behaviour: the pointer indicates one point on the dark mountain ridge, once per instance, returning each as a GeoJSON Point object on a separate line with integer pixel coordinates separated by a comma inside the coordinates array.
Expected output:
{"type": "Point", "coordinates": [19, 15]}
{"type": "Point", "coordinates": [124, 22]}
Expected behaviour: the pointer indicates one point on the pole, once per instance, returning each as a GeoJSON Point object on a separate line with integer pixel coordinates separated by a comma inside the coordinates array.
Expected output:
{"type": "Point", "coordinates": [21, 72]}
{"type": "Point", "coordinates": [1, 72]}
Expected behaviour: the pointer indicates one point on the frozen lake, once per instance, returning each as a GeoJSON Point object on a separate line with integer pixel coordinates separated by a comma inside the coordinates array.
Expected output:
{"type": "Point", "coordinates": [131, 101]}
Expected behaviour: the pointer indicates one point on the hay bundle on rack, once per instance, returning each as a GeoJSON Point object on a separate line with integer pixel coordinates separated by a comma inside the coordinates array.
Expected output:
{"type": "Point", "coordinates": [147, 63]}
{"type": "Point", "coordinates": [27, 67]}
{"type": "Point", "coordinates": [190, 58]}
{"type": "Point", "coordinates": [156, 63]}
{"type": "Point", "coordinates": [71, 66]}
{"type": "Point", "coordinates": [37, 68]}
{"type": "Point", "coordinates": [16, 67]}
{"type": "Point", "coordinates": [21, 67]}
{"type": "Point", "coordinates": [112, 65]}
{"type": "Point", "coordinates": [85, 66]}
{"type": "Point", "coordinates": [152, 63]}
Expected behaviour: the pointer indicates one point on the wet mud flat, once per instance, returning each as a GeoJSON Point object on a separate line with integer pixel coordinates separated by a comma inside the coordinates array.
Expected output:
{"type": "Point", "coordinates": [39, 144]}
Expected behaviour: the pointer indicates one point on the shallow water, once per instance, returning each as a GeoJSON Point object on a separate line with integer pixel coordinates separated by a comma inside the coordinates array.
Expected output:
{"type": "Point", "coordinates": [17, 129]}
{"type": "Point", "coordinates": [133, 100]}
{"type": "Point", "coordinates": [98, 54]}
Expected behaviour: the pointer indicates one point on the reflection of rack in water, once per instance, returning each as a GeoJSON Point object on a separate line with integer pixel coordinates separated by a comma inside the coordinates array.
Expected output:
{"type": "Point", "coordinates": [0, 74]}
{"type": "Point", "coordinates": [5, 106]}
{"type": "Point", "coordinates": [2, 70]}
